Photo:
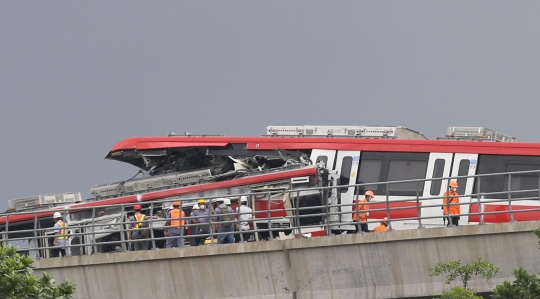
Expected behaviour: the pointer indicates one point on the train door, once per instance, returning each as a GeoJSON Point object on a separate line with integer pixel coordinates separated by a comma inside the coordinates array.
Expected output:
{"type": "Point", "coordinates": [347, 166]}
{"type": "Point", "coordinates": [439, 166]}
{"type": "Point", "coordinates": [464, 165]}
{"type": "Point", "coordinates": [326, 156]}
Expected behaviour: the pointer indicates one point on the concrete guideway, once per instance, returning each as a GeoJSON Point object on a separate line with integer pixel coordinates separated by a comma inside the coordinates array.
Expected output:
{"type": "Point", "coordinates": [372, 265]}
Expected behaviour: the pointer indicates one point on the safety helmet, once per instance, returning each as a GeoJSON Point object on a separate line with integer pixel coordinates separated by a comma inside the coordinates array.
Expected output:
{"type": "Point", "coordinates": [243, 199]}
{"type": "Point", "coordinates": [227, 201]}
{"type": "Point", "coordinates": [57, 215]}
{"type": "Point", "coordinates": [176, 203]}
{"type": "Point", "coordinates": [137, 207]}
{"type": "Point", "coordinates": [201, 201]}
{"type": "Point", "coordinates": [453, 184]}
{"type": "Point", "coordinates": [370, 193]}
{"type": "Point", "coordinates": [196, 206]}
{"type": "Point", "coordinates": [218, 199]}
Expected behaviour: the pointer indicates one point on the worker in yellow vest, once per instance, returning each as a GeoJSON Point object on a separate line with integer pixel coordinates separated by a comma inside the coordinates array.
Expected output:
{"type": "Point", "coordinates": [139, 226]}
{"type": "Point", "coordinates": [61, 235]}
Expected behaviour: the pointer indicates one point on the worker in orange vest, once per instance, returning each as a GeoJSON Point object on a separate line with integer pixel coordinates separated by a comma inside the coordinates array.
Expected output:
{"type": "Point", "coordinates": [451, 200]}
{"type": "Point", "coordinates": [177, 221]}
{"type": "Point", "coordinates": [361, 213]}
{"type": "Point", "coordinates": [383, 227]}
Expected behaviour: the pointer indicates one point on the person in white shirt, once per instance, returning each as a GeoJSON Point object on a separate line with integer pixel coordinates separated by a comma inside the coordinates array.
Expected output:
{"type": "Point", "coordinates": [245, 217]}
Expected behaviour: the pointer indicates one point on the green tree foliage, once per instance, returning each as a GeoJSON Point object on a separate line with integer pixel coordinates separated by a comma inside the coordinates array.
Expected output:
{"type": "Point", "coordinates": [525, 286]}
{"type": "Point", "coordinates": [459, 293]}
{"type": "Point", "coordinates": [18, 282]}
{"type": "Point", "coordinates": [455, 269]}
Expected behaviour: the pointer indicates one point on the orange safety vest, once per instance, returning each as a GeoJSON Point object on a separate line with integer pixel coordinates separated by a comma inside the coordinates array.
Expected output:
{"type": "Point", "coordinates": [139, 220]}
{"type": "Point", "coordinates": [362, 210]}
{"type": "Point", "coordinates": [63, 234]}
{"type": "Point", "coordinates": [455, 209]}
{"type": "Point", "coordinates": [381, 228]}
{"type": "Point", "coordinates": [176, 214]}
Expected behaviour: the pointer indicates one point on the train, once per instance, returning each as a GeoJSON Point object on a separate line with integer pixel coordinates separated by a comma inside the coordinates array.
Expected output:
{"type": "Point", "coordinates": [400, 165]}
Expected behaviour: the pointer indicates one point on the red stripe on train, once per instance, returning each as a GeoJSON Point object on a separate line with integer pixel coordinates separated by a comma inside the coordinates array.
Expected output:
{"type": "Point", "coordinates": [521, 213]}
{"type": "Point", "coordinates": [398, 210]}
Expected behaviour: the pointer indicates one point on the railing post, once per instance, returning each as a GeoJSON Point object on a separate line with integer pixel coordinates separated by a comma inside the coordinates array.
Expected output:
{"type": "Point", "coordinates": [122, 236]}
{"type": "Point", "coordinates": [210, 214]}
{"type": "Point", "coordinates": [388, 206]}
{"type": "Point", "coordinates": [328, 231]}
{"type": "Point", "coordinates": [181, 223]}
{"type": "Point", "coordinates": [297, 215]}
{"type": "Point", "coordinates": [67, 250]}
{"type": "Point", "coordinates": [238, 213]}
{"type": "Point", "coordinates": [447, 197]}
{"type": "Point", "coordinates": [510, 197]}
{"type": "Point", "coordinates": [7, 230]}
{"type": "Point", "coordinates": [35, 235]}
{"type": "Point", "coordinates": [93, 243]}
{"type": "Point", "coordinates": [480, 198]}
{"type": "Point", "coordinates": [268, 215]}
{"type": "Point", "coordinates": [252, 200]}
{"type": "Point", "coordinates": [418, 209]}
{"type": "Point", "coordinates": [152, 226]}
{"type": "Point", "coordinates": [357, 223]}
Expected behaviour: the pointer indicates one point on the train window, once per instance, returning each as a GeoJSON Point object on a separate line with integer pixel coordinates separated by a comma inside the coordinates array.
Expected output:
{"type": "Point", "coordinates": [370, 172]}
{"type": "Point", "coordinates": [522, 181]}
{"type": "Point", "coordinates": [438, 171]}
{"type": "Point", "coordinates": [463, 170]}
{"type": "Point", "coordinates": [345, 173]}
{"type": "Point", "coordinates": [323, 159]}
{"type": "Point", "coordinates": [406, 170]}
{"type": "Point", "coordinates": [499, 183]}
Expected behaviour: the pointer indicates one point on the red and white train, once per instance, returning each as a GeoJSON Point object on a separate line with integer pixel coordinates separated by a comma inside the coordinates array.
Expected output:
{"type": "Point", "coordinates": [187, 166]}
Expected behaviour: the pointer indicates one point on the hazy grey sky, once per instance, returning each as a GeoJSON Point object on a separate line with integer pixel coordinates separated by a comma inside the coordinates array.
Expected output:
{"type": "Point", "coordinates": [77, 77]}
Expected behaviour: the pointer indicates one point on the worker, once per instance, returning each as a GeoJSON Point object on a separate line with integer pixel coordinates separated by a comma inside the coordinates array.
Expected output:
{"type": "Point", "coordinates": [176, 219]}
{"type": "Point", "coordinates": [213, 206]}
{"type": "Point", "coordinates": [245, 217]}
{"type": "Point", "coordinates": [139, 225]}
{"type": "Point", "coordinates": [61, 238]}
{"type": "Point", "coordinates": [451, 200]}
{"type": "Point", "coordinates": [383, 227]}
{"type": "Point", "coordinates": [203, 221]}
{"type": "Point", "coordinates": [191, 229]}
{"type": "Point", "coordinates": [361, 213]}
{"type": "Point", "coordinates": [224, 217]}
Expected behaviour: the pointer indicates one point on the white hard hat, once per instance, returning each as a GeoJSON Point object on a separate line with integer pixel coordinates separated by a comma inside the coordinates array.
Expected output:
{"type": "Point", "coordinates": [243, 199]}
{"type": "Point", "coordinates": [57, 215]}
{"type": "Point", "coordinates": [227, 201]}
{"type": "Point", "coordinates": [196, 206]}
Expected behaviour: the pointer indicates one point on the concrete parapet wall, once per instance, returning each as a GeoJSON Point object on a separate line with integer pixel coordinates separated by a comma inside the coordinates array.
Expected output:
{"type": "Point", "coordinates": [373, 265]}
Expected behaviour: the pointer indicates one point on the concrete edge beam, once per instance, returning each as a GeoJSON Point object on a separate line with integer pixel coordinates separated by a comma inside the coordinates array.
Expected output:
{"type": "Point", "coordinates": [290, 244]}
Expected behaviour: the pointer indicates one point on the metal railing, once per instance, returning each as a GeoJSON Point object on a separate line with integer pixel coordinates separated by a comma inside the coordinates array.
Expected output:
{"type": "Point", "coordinates": [96, 233]}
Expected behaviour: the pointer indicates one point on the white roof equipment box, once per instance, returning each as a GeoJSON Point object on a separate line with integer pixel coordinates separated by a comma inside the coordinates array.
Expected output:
{"type": "Point", "coordinates": [344, 131]}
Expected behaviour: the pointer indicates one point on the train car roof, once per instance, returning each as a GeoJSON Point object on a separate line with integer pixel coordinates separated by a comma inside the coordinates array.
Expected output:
{"type": "Point", "coordinates": [161, 194]}
{"type": "Point", "coordinates": [308, 143]}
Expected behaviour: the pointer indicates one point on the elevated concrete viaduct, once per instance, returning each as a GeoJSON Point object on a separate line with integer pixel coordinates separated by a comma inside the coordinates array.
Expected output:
{"type": "Point", "coordinates": [372, 265]}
